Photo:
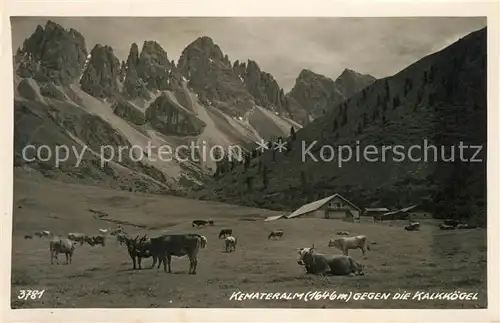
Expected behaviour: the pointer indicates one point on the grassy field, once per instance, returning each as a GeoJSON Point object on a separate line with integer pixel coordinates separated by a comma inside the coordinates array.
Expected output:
{"type": "Point", "coordinates": [429, 260]}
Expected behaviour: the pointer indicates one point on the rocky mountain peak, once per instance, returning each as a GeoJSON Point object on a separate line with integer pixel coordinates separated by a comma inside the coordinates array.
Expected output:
{"type": "Point", "coordinates": [133, 56]}
{"type": "Point", "coordinates": [146, 71]}
{"type": "Point", "coordinates": [205, 47]}
{"type": "Point", "coordinates": [208, 71]}
{"type": "Point", "coordinates": [313, 93]}
{"type": "Point", "coordinates": [52, 54]}
{"type": "Point", "coordinates": [350, 81]}
{"type": "Point", "coordinates": [306, 75]}
{"type": "Point", "coordinates": [261, 85]}
{"type": "Point", "coordinates": [152, 53]}
{"type": "Point", "coordinates": [154, 66]}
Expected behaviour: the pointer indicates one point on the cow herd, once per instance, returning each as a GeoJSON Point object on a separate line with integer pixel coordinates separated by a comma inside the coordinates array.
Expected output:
{"type": "Point", "coordinates": [313, 262]}
{"type": "Point", "coordinates": [67, 245]}
{"type": "Point", "coordinates": [161, 248]}
{"type": "Point", "coordinates": [455, 224]}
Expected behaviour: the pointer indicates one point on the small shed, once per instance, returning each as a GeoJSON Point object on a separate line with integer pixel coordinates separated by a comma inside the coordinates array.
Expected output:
{"type": "Point", "coordinates": [332, 207]}
{"type": "Point", "coordinates": [275, 217]}
{"type": "Point", "coordinates": [401, 214]}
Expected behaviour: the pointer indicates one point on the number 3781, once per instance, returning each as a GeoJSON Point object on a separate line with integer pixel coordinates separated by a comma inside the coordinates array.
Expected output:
{"type": "Point", "coordinates": [25, 294]}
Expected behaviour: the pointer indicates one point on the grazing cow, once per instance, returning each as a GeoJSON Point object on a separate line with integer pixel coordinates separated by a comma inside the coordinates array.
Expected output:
{"type": "Point", "coordinates": [453, 223]}
{"type": "Point", "coordinates": [320, 264]}
{"type": "Point", "coordinates": [46, 233]}
{"type": "Point", "coordinates": [230, 243]}
{"type": "Point", "coordinates": [276, 234]}
{"type": "Point", "coordinates": [90, 241]}
{"type": "Point", "coordinates": [28, 236]}
{"type": "Point", "coordinates": [103, 231]}
{"type": "Point", "coordinates": [117, 231]}
{"type": "Point", "coordinates": [346, 243]}
{"type": "Point", "coordinates": [138, 249]}
{"type": "Point", "coordinates": [413, 226]}
{"type": "Point", "coordinates": [225, 233]}
{"type": "Point", "coordinates": [343, 233]}
{"type": "Point", "coordinates": [61, 245]}
{"type": "Point", "coordinates": [178, 245]}
{"type": "Point", "coordinates": [199, 223]}
{"type": "Point", "coordinates": [78, 237]}
{"type": "Point", "coordinates": [444, 226]}
{"type": "Point", "coordinates": [462, 226]}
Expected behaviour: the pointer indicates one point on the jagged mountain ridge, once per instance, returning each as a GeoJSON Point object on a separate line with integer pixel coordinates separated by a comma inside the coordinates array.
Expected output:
{"type": "Point", "coordinates": [441, 98]}
{"type": "Point", "coordinates": [148, 98]}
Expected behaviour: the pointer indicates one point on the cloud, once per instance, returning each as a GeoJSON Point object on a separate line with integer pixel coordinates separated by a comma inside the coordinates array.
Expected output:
{"type": "Point", "coordinates": [281, 46]}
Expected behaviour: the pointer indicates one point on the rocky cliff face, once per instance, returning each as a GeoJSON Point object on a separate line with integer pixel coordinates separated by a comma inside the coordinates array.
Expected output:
{"type": "Point", "coordinates": [314, 94]}
{"type": "Point", "coordinates": [311, 93]}
{"type": "Point", "coordinates": [154, 66]}
{"type": "Point", "coordinates": [52, 54]}
{"type": "Point", "coordinates": [133, 85]}
{"type": "Point", "coordinates": [210, 74]}
{"type": "Point", "coordinates": [261, 85]}
{"type": "Point", "coordinates": [127, 111]}
{"type": "Point", "coordinates": [146, 72]}
{"type": "Point", "coordinates": [168, 118]}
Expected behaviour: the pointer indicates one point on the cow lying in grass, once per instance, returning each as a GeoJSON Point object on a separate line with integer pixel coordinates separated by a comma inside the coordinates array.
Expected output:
{"type": "Point", "coordinates": [202, 223]}
{"type": "Point", "coordinates": [346, 243]}
{"type": "Point", "coordinates": [413, 226]}
{"type": "Point", "coordinates": [320, 264]}
{"type": "Point", "coordinates": [444, 226]}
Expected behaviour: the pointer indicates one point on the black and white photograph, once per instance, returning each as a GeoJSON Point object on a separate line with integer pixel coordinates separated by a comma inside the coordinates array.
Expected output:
{"type": "Point", "coordinates": [249, 162]}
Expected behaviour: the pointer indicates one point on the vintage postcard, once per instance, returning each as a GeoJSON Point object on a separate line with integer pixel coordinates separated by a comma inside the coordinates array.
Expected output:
{"type": "Point", "coordinates": [193, 167]}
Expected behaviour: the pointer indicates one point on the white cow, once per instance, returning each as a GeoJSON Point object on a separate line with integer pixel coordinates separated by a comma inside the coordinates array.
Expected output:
{"type": "Point", "coordinates": [231, 243]}
{"type": "Point", "coordinates": [59, 245]}
{"type": "Point", "coordinates": [346, 243]}
{"type": "Point", "coordinates": [103, 231]}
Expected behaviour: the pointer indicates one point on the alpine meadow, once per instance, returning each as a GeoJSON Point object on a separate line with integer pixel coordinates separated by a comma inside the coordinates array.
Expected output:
{"type": "Point", "coordinates": [181, 162]}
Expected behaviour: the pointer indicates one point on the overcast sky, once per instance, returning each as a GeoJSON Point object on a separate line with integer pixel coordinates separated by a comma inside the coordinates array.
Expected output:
{"type": "Point", "coordinates": [281, 46]}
